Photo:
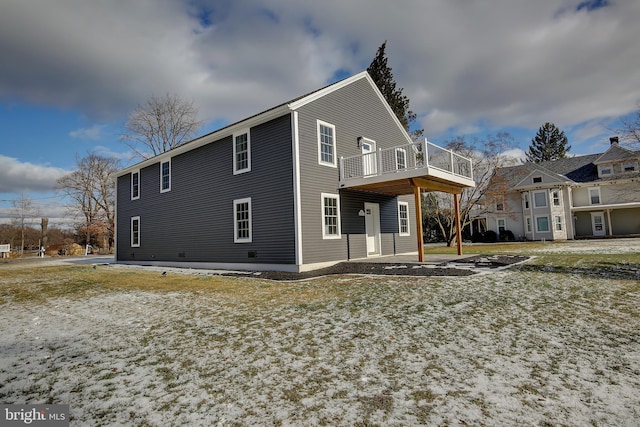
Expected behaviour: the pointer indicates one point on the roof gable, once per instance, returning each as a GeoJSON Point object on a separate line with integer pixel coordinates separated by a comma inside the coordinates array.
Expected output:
{"type": "Point", "coordinates": [539, 176]}
{"type": "Point", "coordinates": [265, 116]}
{"type": "Point", "coordinates": [616, 153]}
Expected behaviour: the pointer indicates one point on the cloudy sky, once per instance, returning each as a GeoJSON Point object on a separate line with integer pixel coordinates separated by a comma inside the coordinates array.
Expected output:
{"type": "Point", "coordinates": [72, 70]}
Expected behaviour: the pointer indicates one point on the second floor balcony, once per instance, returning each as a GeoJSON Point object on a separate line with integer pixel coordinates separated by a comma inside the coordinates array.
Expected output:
{"type": "Point", "coordinates": [398, 169]}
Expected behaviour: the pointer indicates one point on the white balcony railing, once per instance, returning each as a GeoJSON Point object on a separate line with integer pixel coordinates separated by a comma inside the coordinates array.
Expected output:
{"type": "Point", "coordinates": [405, 158]}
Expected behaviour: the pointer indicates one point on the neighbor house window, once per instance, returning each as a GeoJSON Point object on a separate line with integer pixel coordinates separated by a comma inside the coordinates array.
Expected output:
{"type": "Point", "coordinates": [403, 218]}
{"type": "Point", "coordinates": [165, 176]}
{"type": "Point", "coordinates": [500, 203]}
{"type": "Point", "coordinates": [542, 224]}
{"type": "Point", "coordinates": [241, 153]}
{"type": "Point", "coordinates": [135, 232]}
{"type": "Point", "coordinates": [526, 200]}
{"type": "Point", "coordinates": [629, 167]}
{"type": "Point", "coordinates": [605, 170]}
{"type": "Point", "coordinates": [540, 199]}
{"type": "Point", "coordinates": [326, 144]}
{"type": "Point", "coordinates": [537, 179]}
{"type": "Point", "coordinates": [558, 223]}
{"type": "Point", "coordinates": [401, 158]}
{"type": "Point", "coordinates": [556, 198]}
{"type": "Point", "coordinates": [528, 221]}
{"type": "Point", "coordinates": [330, 216]}
{"type": "Point", "coordinates": [594, 196]}
{"type": "Point", "coordinates": [135, 185]}
{"type": "Point", "coordinates": [242, 221]}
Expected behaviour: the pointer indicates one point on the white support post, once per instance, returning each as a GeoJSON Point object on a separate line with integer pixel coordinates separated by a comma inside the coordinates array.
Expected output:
{"type": "Point", "coordinates": [379, 161]}
{"type": "Point", "coordinates": [341, 172]}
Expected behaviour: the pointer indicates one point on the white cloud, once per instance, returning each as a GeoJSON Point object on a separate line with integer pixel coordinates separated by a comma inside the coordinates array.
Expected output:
{"type": "Point", "coordinates": [18, 177]}
{"type": "Point", "coordinates": [93, 133]}
{"type": "Point", "coordinates": [495, 63]}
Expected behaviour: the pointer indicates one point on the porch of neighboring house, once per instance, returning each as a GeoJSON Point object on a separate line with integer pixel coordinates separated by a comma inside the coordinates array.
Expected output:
{"type": "Point", "coordinates": [409, 169]}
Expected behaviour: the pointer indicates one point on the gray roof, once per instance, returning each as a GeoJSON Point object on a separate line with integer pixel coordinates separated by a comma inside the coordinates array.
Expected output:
{"type": "Point", "coordinates": [616, 153]}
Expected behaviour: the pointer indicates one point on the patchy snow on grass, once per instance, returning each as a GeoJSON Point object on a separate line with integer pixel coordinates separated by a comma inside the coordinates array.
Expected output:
{"type": "Point", "coordinates": [614, 246]}
{"type": "Point", "coordinates": [524, 346]}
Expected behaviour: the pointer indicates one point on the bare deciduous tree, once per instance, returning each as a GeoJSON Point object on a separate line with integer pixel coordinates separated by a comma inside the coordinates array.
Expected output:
{"type": "Point", "coordinates": [92, 189]}
{"type": "Point", "coordinates": [486, 155]}
{"type": "Point", "coordinates": [24, 212]}
{"type": "Point", "coordinates": [630, 129]}
{"type": "Point", "coordinates": [160, 125]}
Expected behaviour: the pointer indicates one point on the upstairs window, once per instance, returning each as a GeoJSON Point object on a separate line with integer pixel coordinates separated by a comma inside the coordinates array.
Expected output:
{"type": "Point", "coordinates": [241, 153]}
{"type": "Point", "coordinates": [135, 185]}
{"type": "Point", "coordinates": [326, 144]}
{"type": "Point", "coordinates": [526, 200]}
{"type": "Point", "coordinates": [401, 158]}
{"type": "Point", "coordinates": [403, 218]}
{"type": "Point", "coordinates": [330, 216]}
{"type": "Point", "coordinates": [242, 232]}
{"type": "Point", "coordinates": [165, 176]}
{"type": "Point", "coordinates": [537, 179]}
{"type": "Point", "coordinates": [605, 170]}
{"type": "Point", "coordinates": [500, 203]}
{"type": "Point", "coordinates": [629, 167]}
{"type": "Point", "coordinates": [540, 199]}
{"type": "Point", "coordinates": [594, 196]}
{"type": "Point", "coordinates": [556, 198]}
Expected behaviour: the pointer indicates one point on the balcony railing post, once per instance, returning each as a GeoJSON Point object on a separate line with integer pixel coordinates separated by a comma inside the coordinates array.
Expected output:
{"type": "Point", "coordinates": [425, 153]}
{"type": "Point", "coordinates": [453, 169]}
{"type": "Point", "coordinates": [341, 172]}
{"type": "Point", "coordinates": [379, 171]}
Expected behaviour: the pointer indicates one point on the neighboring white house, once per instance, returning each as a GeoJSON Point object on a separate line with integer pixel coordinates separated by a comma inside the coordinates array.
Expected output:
{"type": "Point", "coordinates": [596, 195]}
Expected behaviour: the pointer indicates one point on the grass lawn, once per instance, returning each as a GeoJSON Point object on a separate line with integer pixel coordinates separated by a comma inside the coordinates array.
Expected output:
{"type": "Point", "coordinates": [555, 341]}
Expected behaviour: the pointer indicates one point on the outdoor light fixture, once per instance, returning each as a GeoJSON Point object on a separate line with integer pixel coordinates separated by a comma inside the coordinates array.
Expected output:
{"type": "Point", "coordinates": [361, 213]}
{"type": "Point", "coordinates": [360, 141]}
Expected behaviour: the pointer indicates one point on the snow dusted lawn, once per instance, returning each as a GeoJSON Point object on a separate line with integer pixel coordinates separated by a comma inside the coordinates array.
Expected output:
{"type": "Point", "coordinates": [535, 345]}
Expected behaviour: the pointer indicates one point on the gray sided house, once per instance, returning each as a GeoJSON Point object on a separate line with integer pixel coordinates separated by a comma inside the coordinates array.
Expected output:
{"type": "Point", "coordinates": [324, 178]}
{"type": "Point", "coordinates": [596, 195]}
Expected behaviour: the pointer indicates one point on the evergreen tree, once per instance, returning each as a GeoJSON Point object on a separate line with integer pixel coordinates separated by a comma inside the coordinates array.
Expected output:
{"type": "Point", "coordinates": [381, 74]}
{"type": "Point", "coordinates": [550, 143]}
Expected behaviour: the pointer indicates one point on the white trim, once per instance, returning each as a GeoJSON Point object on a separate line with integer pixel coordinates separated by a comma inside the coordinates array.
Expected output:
{"type": "Point", "coordinates": [165, 190]}
{"type": "Point", "coordinates": [549, 224]}
{"type": "Point", "coordinates": [237, 239]}
{"type": "Point", "coordinates": [237, 171]}
{"type": "Point", "coordinates": [135, 245]}
{"type": "Point", "coordinates": [135, 172]}
{"type": "Point", "coordinates": [400, 232]}
{"type": "Point", "coordinates": [326, 236]}
{"type": "Point", "coordinates": [333, 163]}
{"type": "Point", "coordinates": [297, 203]}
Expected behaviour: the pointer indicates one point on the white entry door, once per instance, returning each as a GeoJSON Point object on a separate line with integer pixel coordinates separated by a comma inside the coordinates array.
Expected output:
{"type": "Point", "coordinates": [372, 225]}
{"type": "Point", "coordinates": [369, 163]}
{"type": "Point", "coordinates": [597, 223]}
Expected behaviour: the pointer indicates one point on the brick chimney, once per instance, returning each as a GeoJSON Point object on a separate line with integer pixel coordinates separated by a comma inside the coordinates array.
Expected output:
{"type": "Point", "coordinates": [613, 140]}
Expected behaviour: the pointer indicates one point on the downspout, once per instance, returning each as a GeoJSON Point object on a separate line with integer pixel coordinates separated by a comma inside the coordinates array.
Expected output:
{"type": "Point", "coordinates": [297, 206]}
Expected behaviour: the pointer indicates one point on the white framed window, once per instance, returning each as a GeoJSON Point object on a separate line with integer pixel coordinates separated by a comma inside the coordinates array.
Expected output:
{"type": "Point", "coordinates": [540, 199]}
{"type": "Point", "coordinates": [326, 144]}
{"type": "Point", "coordinates": [135, 232]}
{"type": "Point", "coordinates": [557, 222]}
{"type": "Point", "coordinates": [241, 152]}
{"type": "Point", "coordinates": [502, 224]}
{"type": "Point", "coordinates": [542, 224]}
{"type": "Point", "coordinates": [242, 229]}
{"type": "Point", "coordinates": [500, 203]}
{"type": "Point", "coordinates": [526, 200]}
{"type": "Point", "coordinates": [605, 170]}
{"type": "Point", "coordinates": [135, 185]}
{"type": "Point", "coordinates": [594, 195]}
{"type": "Point", "coordinates": [401, 158]}
{"type": "Point", "coordinates": [528, 223]}
{"type": "Point", "coordinates": [629, 167]}
{"type": "Point", "coordinates": [330, 216]}
{"type": "Point", "coordinates": [555, 195]}
{"type": "Point", "coordinates": [165, 176]}
{"type": "Point", "coordinates": [403, 219]}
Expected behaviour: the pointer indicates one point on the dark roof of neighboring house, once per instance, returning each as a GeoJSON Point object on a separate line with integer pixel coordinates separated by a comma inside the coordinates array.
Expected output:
{"type": "Point", "coordinates": [576, 169]}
